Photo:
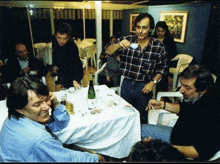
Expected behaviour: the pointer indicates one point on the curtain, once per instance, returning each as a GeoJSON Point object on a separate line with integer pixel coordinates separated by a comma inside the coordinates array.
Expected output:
{"type": "Point", "coordinates": [78, 14]}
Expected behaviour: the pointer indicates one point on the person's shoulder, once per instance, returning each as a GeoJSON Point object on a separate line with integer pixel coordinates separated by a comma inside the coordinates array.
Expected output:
{"type": "Point", "coordinates": [155, 42]}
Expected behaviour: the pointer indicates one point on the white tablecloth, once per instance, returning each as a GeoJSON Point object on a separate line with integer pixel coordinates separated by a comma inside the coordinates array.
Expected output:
{"type": "Point", "coordinates": [111, 132]}
{"type": "Point", "coordinates": [3, 112]}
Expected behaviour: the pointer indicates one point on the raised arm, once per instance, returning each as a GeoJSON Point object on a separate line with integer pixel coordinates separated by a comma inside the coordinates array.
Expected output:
{"type": "Point", "coordinates": [173, 108]}
{"type": "Point", "coordinates": [110, 50]}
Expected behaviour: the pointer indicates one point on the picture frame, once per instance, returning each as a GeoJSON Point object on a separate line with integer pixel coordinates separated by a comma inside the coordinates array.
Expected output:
{"type": "Point", "coordinates": [177, 23]}
{"type": "Point", "coordinates": [132, 20]}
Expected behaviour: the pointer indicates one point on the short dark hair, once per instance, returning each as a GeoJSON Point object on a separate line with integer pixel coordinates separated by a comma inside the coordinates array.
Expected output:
{"type": "Point", "coordinates": [64, 28]}
{"type": "Point", "coordinates": [155, 150]}
{"type": "Point", "coordinates": [142, 16]}
{"type": "Point", "coordinates": [17, 96]}
{"type": "Point", "coordinates": [204, 79]}
{"type": "Point", "coordinates": [164, 26]}
{"type": "Point", "coordinates": [113, 36]}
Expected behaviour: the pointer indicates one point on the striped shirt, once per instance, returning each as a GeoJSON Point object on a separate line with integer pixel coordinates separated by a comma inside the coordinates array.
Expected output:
{"type": "Point", "coordinates": [142, 66]}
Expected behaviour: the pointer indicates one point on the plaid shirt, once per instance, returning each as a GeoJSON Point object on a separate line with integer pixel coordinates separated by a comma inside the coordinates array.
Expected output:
{"type": "Point", "coordinates": [142, 66]}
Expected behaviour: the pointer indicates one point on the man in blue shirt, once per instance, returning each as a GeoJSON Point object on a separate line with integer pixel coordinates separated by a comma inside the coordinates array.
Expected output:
{"type": "Point", "coordinates": [24, 137]}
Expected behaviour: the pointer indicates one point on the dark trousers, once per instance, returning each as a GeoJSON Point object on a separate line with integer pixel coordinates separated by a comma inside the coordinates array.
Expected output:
{"type": "Point", "coordinates": [131, 92]}
{"type": "Point", "coordinates": [103, 80]}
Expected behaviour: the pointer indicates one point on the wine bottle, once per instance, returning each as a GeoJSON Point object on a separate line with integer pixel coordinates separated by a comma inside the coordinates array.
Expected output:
{"type": "Point", "coordinates": [91, 93]}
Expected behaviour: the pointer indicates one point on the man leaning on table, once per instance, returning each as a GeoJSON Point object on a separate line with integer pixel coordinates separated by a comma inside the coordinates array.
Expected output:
{"type": "Point", "coordinates": [24, 138]}
{"type": "Point", "coordinates": [66, 58]}
{"type": "Point", "coordinates": [196, 133]}
{"type": "Point", "coordinates": [143, 66]}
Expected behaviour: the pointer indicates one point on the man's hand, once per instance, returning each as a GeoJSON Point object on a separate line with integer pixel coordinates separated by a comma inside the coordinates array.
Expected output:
{"type": "Point", "coordinates": [148, 87]}
{"type": "Point", "coordinates": [101, 158]}
{"type": "Point", "coordinates": [26, 70]}
{"type": "Point", "coordinates": [53, 98]}
{"type": "Point", "coordinates": [76, 84]}
{"type": "Point", "coordinates": [108, 78]}
{"type": "Point", "coordinates": [156, 104]}
{"type": "Point", "coordinates": [148, 139]}
{"type": "Point", "coordinates": [125, 44]}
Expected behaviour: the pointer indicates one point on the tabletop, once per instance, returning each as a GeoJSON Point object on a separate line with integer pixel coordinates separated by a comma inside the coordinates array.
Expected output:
{"type": "Point", "coordinates": [112, 131]}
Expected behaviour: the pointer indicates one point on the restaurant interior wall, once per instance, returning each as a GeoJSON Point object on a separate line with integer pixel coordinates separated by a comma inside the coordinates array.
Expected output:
{"type": "Point", "coordinates": [211, 51]}
{"type": "Point", "coordinates": [196, 26]}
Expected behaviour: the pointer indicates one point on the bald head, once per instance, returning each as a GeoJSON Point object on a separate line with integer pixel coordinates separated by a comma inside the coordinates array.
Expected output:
{"type": "Point", "coordinates": [21, 51]}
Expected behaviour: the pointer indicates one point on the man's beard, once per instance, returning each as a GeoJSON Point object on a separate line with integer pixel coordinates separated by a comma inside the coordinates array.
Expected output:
{"type": "Point", "coordinates": [192, 99]}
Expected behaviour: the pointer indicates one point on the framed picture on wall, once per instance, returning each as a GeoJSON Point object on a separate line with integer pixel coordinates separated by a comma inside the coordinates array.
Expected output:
{"type": "Point", "coordinates": [177, 23]}
{"type": "Point", "coordinates": [132, 20]}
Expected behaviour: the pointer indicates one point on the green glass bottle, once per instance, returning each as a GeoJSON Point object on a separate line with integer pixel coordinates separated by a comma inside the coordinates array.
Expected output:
{"type": "Point", "coordinates": [91, 93]}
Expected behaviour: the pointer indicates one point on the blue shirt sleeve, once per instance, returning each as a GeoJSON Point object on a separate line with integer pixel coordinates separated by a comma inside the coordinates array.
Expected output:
{"type": "Point", "coordinates": [51, 150]}
{"type": "Point", "coordinates": [61, 119]}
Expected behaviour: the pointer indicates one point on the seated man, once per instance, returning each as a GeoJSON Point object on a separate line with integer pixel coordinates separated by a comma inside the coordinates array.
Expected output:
{"type": "Point", "coordinates": [155, 150]}
{"type": "Point", "coordinates": [26, 135]}
{"type": "Point", "coordinates": [22, 64]}
{"type": "Point", "coordinates": [196, 132]}
{"type": "Point", "coordinates": [111, 75]}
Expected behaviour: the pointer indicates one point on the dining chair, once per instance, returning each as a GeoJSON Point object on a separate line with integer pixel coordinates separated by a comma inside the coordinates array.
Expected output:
{"type": "Point", "coordinates": [90, 54]}
{"type": "Point", "coordinates": [48, 53]}
{"type": "Point", "coordinates": [84, 64]}
{"type": "Point", "coordinates": [163, 117]}
{"type": "Point", "coordinates": [40, 49]}
{"type": "Point", "coordinates": [214, 77]}
{"type": "Point", "coordinates": [78, 41]}
{"type": "Point", "coordinates": [183, 62]}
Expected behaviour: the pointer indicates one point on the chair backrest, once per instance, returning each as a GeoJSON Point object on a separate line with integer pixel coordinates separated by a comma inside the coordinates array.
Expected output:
{"type": "Point", "coordinates": [163, 117]}
{"type": "Point", "coordinates": [78, 41]}
{"type": "Point", "coordinates": [89, 40]}
{"type": "Point", "coordinates": [98, 72]}
{"type": "Point", "coordinates": [169, 94]}
{"type": "Point", "coordinates": [39, 45]}
{"type": "Point", "coordinates": [91, 51]}
{"type": "Point", "coordinates": [214, 77]}
{"type": "Point", "coordinates": [183, 62]}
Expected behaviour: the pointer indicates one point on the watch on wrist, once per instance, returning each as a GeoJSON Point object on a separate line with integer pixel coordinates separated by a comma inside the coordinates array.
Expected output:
{"type": "Point", "coordinates": [155, 81]}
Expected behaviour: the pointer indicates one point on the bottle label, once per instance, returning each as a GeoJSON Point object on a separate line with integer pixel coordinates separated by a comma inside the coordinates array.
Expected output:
{"type": "Point", "coordinates": [91, 94]}
{"type": "Point", "coordinates": [91, 103]}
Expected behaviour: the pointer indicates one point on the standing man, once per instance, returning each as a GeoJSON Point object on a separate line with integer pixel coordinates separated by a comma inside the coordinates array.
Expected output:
{"type": "Point", "coordinates": [196, 133]}
{"type": "Point", "coordinates": [66, 59]}
{"type": "Point", "coordinates": [142, 67]}
{"type": "Point", "coordinates": [22, 64]}
{"type": "Point", "coordinates": [26, 135]}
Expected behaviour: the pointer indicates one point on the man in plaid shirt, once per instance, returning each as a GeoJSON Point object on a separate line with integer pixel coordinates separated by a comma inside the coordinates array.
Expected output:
{"type": "Point", "coordinates": [143, 66]}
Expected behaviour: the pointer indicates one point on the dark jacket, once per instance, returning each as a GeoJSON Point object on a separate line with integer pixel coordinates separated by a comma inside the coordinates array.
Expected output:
{"type": "Point", "coordinates": [67, 59]}
{"type": "Point", "coordinates": [198, 125]}
{"type": "Point", "coordinates": [12, 68]}
{"type": "Point", "coordinates": [170, 47]}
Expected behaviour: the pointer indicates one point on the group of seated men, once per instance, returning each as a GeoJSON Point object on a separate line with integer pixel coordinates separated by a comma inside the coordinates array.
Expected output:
{"type": "Point", "coordinates": [195, 134]}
